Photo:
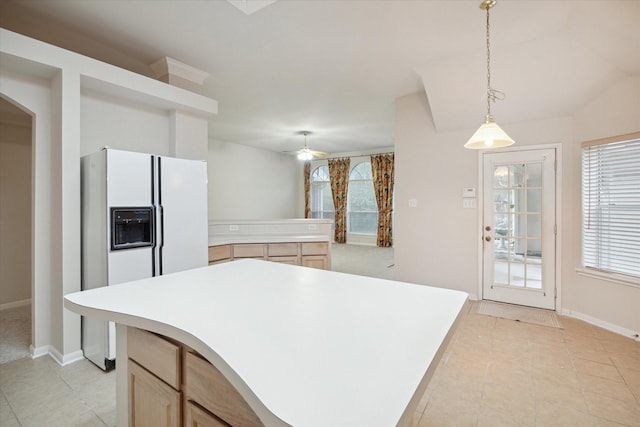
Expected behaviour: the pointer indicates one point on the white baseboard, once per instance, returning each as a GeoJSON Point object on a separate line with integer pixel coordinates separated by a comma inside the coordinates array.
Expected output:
{"type": "Point", "coordinates": [361, 239]}
{"type": "Point", "coordinates": [38, 351]}
{"type": "Point", "coordinates": [62, 359]}
{"type": "Point", "coordinates": [14, 304]}
{"type": "Point", "coordinates": [602, 324]}
{"type": "Point", "coordinates": [65, 359]}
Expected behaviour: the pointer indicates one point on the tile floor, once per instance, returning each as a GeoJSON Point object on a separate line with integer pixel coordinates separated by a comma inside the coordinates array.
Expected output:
{"type": "Point", "coordinates": [39, 392]}
{"type": "Point", "coordinates": [499, 372]}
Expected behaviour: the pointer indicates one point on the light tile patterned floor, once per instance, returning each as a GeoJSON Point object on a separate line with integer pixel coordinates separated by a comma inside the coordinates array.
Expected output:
{"type": "Point", "coordinates": [499, 372]}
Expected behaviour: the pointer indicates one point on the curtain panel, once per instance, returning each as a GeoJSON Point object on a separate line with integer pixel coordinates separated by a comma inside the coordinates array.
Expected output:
{"type": "Point", "coordinates": [382, 174]}
{"type": "Point", "coordinates": [339, 179]}
{"type": "Point", "coordinates": [307, 189]}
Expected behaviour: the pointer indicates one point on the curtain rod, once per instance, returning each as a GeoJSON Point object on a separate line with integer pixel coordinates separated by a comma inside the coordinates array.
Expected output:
{"type": "Point", "coordinates": [359, 155]}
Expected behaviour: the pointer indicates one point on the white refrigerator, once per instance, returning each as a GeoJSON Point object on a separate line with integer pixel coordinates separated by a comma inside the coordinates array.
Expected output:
{"type": "Point", "coordinates": [142, 216]}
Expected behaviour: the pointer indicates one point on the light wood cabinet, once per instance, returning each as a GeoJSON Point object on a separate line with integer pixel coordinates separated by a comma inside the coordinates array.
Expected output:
{"type": "Point", "coordinates": [315, 248]}
{"type": "Point", "coordinates": [170, 385]}
{"type": "Point", "coordinates": [198, 417]}
{"type": "Point", "coordinates": [315, 261]}
{"type": "Point", "coordinates": [308, 254]}
{"type": "Point", "coordinates": [152, 402]}
{"type": "Point", "coordinates": [157, 354]}
{"type": "Point", "coordinates": [249, 250]}
{"type": "Point", "coordinates": [204, 384]}
{"type": "Point", "coordinates": [219, 253]}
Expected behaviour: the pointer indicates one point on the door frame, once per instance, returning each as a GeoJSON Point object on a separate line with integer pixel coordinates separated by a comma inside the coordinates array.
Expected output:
{"type": "Point", "coordinates": [558, 213]}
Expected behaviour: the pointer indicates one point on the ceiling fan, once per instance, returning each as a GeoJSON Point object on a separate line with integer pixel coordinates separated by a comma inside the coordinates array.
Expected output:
{"type": "Point", "coordinates": [305, 153]}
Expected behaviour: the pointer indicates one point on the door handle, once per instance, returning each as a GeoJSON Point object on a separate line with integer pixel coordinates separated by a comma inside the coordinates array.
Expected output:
{"type": "Point", "coordinates": [488, 238]}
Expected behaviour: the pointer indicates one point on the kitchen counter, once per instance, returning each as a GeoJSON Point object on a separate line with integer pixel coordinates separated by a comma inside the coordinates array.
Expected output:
{"type": "Point", "coordinates": [302, 346]}
{"type": "Point", "coordinates": [266, 238]}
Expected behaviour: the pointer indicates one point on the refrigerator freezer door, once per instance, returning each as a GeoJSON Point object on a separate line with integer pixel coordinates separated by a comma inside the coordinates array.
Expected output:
{"type": "Point", "coordinates": [182, 215]}
{"type": "Point", "coordinates": [129, 184]}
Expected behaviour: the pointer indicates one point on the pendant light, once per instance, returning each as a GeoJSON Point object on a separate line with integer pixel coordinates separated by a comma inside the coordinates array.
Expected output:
{"type": "Point", "coordinates": [489, 135]}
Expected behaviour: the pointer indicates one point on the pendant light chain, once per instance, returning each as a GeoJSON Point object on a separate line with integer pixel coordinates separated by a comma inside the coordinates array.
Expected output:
{"type": "Point", "coordinates": [490, 93]}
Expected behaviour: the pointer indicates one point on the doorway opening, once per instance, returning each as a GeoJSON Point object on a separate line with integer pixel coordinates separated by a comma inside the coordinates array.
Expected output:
{"type": "Point", "coordinates": [519, 227]}
{"type": "Point", "coordinates": [16, 235]}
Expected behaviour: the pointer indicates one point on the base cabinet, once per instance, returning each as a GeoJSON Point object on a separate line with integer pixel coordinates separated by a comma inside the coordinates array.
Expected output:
{"type": "Point", "coordinates": [315, 261]}
{"type": "Point", "coordinates": [152, 402]}
{"type": "Point", "coordinates": [194, 416]}
{"type": "Point", "coordinates": [308, 254]}
{"type": "Point", "coordinates": [170, 385]}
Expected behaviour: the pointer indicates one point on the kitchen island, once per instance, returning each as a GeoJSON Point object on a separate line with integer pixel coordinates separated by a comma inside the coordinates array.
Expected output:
{"type": "Point", "coordinates": [295, 346]}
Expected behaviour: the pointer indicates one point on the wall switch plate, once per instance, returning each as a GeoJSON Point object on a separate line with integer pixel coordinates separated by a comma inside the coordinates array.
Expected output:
{"type": "Point", "coordinates": [469, 192]}
{"type": "Point", "coordinates": [469, 203]}
{"type": "Point", "coordinates": [234, 228]}
{"type": "Point", "coordinates": [413, 203]}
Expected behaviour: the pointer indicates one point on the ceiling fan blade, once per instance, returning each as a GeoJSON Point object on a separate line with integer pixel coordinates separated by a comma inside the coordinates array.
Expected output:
{"type": "Point", "coordinates": [319, 154]}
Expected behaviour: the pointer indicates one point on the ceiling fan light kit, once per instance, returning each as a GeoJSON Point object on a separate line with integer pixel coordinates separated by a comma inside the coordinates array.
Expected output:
{"type": "Point", "coordinates": [305, 153]}
{"type": "Point", "coordinates": [489, 135]}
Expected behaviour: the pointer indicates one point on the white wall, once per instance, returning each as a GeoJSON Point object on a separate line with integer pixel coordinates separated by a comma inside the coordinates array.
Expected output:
{"type": "Point", "coordinates": [15, 208]}
{"type": "Point", "coordinates": [250, 183]}
{"type": "Point", "coordinates": [436, 243]}
{"type": "Point", "coordinates": [123, 126]}
{"type": "Point", "coordinates": [615, 112]}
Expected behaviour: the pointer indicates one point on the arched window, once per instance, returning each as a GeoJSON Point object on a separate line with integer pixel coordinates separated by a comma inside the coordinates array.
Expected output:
{"type": "Point", "coordinates": [362, 209]}
{"type": "Point", "coordinates": [321, 199]}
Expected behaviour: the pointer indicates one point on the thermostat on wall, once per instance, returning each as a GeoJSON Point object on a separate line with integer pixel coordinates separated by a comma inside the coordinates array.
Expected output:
{"type": "Point", "coordinates": [468, 192]}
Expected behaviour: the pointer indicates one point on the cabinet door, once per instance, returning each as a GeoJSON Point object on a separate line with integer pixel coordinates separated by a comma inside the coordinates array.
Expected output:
{"type": "Point", "coordinates": [315, 248]}
{"type": "Point", "coordinates": [197, 417]}
{"type": "Point", "coordinates": [220, 253]}
{"type": "Point", "coordinates": [152, 403]}
{"type": "Point", "coordinates": [249, 250]}
{"type": "Point", "coordinates": [315, 261]}
{"type": "Point", "coordinates": [293, 260]}
{"type": "Point", "coordinates": [204, 384]}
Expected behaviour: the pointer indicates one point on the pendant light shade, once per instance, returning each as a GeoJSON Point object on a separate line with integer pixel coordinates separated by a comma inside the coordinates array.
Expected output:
{"type": "Point", "coordinates": [489, 135]}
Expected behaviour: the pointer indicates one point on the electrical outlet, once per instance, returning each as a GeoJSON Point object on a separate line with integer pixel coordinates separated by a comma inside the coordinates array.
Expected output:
{"type": "Point", "coordinates": [234, 228]}
{"type": "Point", "coordinates": [413, 203]}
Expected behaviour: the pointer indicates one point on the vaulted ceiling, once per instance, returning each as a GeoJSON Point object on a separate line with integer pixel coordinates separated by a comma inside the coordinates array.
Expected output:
{"type": "Point", "coordinates": [335, 67]}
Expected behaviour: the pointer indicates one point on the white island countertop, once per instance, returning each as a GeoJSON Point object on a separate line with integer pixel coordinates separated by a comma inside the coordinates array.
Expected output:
{"type": "Point", "coordinates": [304, 347]}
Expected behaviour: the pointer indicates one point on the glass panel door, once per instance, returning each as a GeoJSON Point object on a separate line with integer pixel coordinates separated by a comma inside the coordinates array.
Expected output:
{"type": "Point", "coordinates": [519, 227]}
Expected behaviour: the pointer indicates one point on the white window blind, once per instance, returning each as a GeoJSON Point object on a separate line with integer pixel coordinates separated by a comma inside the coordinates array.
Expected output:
{"type": "Point", "coordinates": [611, 205]}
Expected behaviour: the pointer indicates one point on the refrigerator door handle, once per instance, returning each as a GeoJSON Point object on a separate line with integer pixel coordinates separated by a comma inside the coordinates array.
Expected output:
{"type": "Point", "coordinates": [161, 245]}
{"type": "Point", "coordinates": [155, 243]}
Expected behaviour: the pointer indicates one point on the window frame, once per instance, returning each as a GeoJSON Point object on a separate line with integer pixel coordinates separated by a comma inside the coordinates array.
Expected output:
{"type": "Point", "coordinates": [375, 231]}
{"type": "Point", "coordinates": [311, 190]}
{"type": "Point", "coordinates": [594, 268]}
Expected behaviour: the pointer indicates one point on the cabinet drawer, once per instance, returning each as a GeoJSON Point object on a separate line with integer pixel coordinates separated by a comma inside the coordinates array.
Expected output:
{"type": "Point", "coordinates": [156, 354]}
{"type": "Point", "coordinates": [198, 417]}
{"type": "Point", "coordinates": [283, 249]}
{"type": "Point", "coordinates": [315, 248]}
{"type": "Point", "coordinates": [205, 385]}
{"type": "Point", "coordinates": [293, 260]}
{"type": "Point", "coordinates": [248, 250]}
{"type": "Point", "coordinates": [218, 253]}
{"type": "Point", "coordinates": [315, 261]}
